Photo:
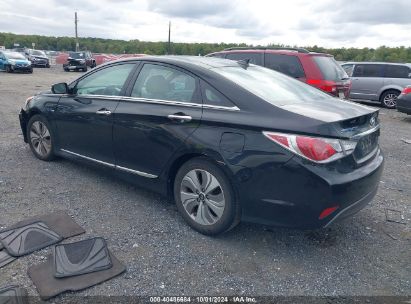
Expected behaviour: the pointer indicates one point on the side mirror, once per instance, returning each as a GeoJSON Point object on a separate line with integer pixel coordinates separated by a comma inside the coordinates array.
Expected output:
{"type": "Point", "coordinates": [60, 88]}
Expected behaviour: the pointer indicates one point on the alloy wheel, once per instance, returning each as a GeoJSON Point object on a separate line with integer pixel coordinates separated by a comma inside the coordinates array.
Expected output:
{"type": "Point", "coordinates": [390, 100]}
{"type": "Point", "coordinates": [40, 138]}
{"type": "Point", "coordinates": [202, 197]}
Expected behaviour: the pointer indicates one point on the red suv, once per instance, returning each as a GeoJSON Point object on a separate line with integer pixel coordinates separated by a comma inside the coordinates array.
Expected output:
{"type": "Point", "coordinates": [317, 69]}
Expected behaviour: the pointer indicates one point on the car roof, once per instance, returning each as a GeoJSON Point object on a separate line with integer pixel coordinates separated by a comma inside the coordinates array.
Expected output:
{"type": "Point", "coordinates": [375, 62]}
{"type": "Point", "coordinates": [284, 51]}
{"type": "Point", "coordinates": [188, 62]}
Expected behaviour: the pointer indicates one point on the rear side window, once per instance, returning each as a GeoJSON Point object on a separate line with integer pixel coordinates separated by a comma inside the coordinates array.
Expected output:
{"type": "Point", "coordinates": [368, 70]}
{"type": "Point", "coordinates": [286, 64]}
{"type": "Point", "coordinates": [397, 71]}
{"type": "Point", "coordinates": [330, 69]}
{"type": "Point", "coordinates": [213, 97]}
{"type": "Point", "coordinates": [255, 58]}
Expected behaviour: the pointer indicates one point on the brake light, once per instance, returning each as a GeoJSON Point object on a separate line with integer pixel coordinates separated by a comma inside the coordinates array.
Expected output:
{"type": "Point", "coordinates": [406, 91]}
{"type": "Point", "coordinates": [325, 85]}
{"type": "Point", "coordinates": [317, 149]}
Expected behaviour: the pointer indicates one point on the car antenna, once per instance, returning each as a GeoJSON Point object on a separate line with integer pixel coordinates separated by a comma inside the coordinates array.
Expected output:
{"type": "Point", "coordinates": [244, 63]}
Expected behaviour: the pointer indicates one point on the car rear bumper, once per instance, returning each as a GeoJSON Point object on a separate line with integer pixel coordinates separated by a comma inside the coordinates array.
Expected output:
{"type": "Point", "coordinates": [404, 105]}
{"type": "Point", "coordinates": [295, 195]}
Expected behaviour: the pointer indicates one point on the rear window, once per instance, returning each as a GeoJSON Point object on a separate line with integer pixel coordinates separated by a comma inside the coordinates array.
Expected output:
{"type": "Point", "coordinates": [255, 58]}
{"type": "Point", "coordinates": [286, 64]}
{"type": "Point", "coordinates": [274, 87]}
{"type": "Point", "coordinates": [397, 71]}
{"type": "Point", "coordinates": [330, 69]}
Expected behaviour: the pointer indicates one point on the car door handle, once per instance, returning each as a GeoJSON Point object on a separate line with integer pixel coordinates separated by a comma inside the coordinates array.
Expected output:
{"type": "Point", "coordinates": [103, 112]}
{"type": "Point", "coordinates": [180, 117]}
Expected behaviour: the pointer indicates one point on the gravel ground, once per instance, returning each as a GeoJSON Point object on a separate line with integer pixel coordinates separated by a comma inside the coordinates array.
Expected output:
{"type": "Point", "coordinates": [364, 255]}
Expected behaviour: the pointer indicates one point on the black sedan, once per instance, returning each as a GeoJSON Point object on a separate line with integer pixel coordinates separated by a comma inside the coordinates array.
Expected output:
{"type": "Point", "coordinates": [404, 101]}
{"type": "Point", "coordinates": [225, 140]}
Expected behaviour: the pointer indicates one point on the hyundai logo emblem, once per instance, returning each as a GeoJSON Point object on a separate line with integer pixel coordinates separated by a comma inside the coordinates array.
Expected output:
{"type": "Point", "coordinates": [372, 121]}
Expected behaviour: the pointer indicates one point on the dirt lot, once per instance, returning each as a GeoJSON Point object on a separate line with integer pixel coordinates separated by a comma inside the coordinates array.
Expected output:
{"type": "Point", "coordinates": [364, 255]}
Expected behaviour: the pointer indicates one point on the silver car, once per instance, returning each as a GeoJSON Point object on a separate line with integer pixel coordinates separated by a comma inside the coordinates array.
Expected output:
{"type": "Point", "coordinates": [378, 81]}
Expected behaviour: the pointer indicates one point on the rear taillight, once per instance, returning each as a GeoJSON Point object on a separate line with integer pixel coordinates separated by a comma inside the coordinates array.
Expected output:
{"type": "Point", "coordinates": [406, 91]}
{"type": "Point", "coordinates": [317, 149]}
{"type": "Point", "coordinates": [325, 85]}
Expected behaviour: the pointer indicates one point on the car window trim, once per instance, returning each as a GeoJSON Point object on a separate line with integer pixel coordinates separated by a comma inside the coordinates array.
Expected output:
{"type": "Point", "coordinates": [179, 103]}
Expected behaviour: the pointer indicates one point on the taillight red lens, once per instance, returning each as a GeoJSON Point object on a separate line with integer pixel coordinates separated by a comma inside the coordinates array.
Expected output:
{"type": "Point", "coordinates": [326, 212]}
{"type": "Point", "coordinates": [325, 85]}
{"type": "Point", "coordinates": [406, 91]}
{"type": "Point", "coordinates": [315, 149]}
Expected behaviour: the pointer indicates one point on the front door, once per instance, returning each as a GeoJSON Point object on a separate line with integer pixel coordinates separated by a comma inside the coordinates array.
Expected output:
{"type": "Point", "coordinates": [84, 119]}
{"type": "Point", "coordinates": [366, 81]}
{"type": "Point", "coordinates": [163, 109]}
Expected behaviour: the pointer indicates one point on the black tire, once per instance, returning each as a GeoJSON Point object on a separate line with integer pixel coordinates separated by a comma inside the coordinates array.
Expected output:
{"type": "Point", "coordinates": [85, 69]}
{"type": "Point", "coordinates": [386, 98]}
{"type": "Point", "coordinates": [8, 69]}
{"type": "Point", "coordinates": [48, 65]}
{"type": "Point", "coordinates": [50, 154]}
{"type": "Point", "coordinates": [31, 71]}
{"type": "Point", "coordinates": [230, 216]}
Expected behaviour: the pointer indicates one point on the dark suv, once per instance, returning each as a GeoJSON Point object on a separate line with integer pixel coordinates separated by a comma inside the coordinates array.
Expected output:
{"type": "Point", "coordinates": [317, 69]}
{"type": "Point", "coordinates": [79, 61]}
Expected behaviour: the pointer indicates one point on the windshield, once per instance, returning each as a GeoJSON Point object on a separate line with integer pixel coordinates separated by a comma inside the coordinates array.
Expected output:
{"type": "Point", "coordinates": [272, 86]}
{"type": "Point", "coordinates": [14, 55]}
{"type": "Point", "coordinates": [38, 53]}
{"type": "Point", "coordinates": [330, 69]}
{"type": "Point", "coordinates": [76, 55]}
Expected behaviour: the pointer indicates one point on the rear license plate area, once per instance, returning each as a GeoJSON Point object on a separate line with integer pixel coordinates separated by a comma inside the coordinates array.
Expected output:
{"type": "Point", "coordinates": [366, 145]}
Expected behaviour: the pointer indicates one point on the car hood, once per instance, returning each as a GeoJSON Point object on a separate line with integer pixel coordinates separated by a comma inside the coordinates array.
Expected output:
{"type": "Point", "coordinates": [39, 57]}
{"type": "Point", "coordinates": [20, 61]}
{"type": "Point", "coordinates": [329, 110]}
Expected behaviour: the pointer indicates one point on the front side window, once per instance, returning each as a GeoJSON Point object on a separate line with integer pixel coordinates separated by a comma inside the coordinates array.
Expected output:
{"type": "Point", "coordinates": [108, 81]}
{"type": "Point", "coordinates": [397, 71]}
{"type": "Point", "coordinates": [255, 58]}
{"type": "Point", "coordinates": [348, 68]}
{"type": "Point", "coordinates": [164, 83]}
{"type": "Point", "coordinates": [367, 70]}
{"type": "Point", "coordinates": [286, 64]}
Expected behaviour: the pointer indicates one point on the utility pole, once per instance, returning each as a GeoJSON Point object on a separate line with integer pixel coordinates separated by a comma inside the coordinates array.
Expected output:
{"type": "Point", "coordinates": [75, 26]}
{"type": "Point", "coordinates": [169, 35]}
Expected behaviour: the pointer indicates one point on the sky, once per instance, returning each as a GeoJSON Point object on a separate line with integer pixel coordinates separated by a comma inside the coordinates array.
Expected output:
{"type": "Point", "coordinates": [327, 23]}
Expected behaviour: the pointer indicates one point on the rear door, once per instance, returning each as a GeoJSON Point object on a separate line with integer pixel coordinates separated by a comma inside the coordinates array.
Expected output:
{"type": "Point", "coordinates": [162, 109]}
{"type": "Point", "coordinates": [2, 61]}
{"type": "Point", "coordinates": [367, 80]}
{"type": "Point", "coordinates": [397, 75]}
{"type": "Point", "coordinates": [84, 119]}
